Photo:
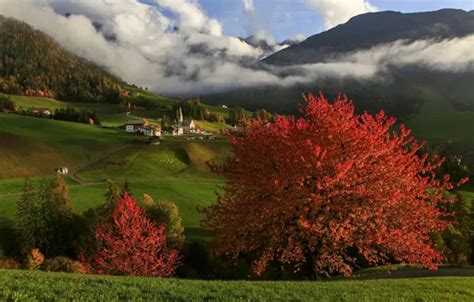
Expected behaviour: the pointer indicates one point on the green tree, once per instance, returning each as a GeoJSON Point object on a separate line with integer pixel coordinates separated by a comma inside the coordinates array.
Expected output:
{"type": "Point", "coordinates": [126, 188]}
{"type": "Point", "coordinates": [457, 237]}
{"type": "Point", "coordinates": [28, 221]}
{"type": "Point", "coordinates": [148, 200]}
{"type": "Point", "coordinates": [112, 195]}
{"type": "Point", "coordinates": [45, 218]}
{"type": "Point", "coordinates": [57, 214]}
{"type": "Point", "coordinates": [167, 213]}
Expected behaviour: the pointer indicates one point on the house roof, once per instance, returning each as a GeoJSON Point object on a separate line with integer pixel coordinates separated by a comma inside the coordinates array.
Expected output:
{"type": "Point", "coordinates": [154, 127]}
{"type": "Point", "coordinates": [135, 122]}
{"type": "Point", "coordinates": [187, 123]}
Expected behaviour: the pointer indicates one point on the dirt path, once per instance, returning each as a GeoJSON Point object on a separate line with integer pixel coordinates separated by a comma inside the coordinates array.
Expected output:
{"type": "Point", "coordinates": [82, 182]}
{"type": "Point", "coordinates": [73, 172]}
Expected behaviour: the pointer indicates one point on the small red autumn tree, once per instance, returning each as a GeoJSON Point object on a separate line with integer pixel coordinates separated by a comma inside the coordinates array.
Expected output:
{"type": "Point", "coordinates": [327, 188]}
{"type": "Point", "coordinates": [132, 245]}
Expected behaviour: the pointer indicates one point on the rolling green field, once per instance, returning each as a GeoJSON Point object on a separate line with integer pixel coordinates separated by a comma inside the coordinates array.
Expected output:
{"type": "Point", "coordinates": [176, 170]}
{"type": "Point", "coordinates": [40, 286]}
{"type": "Point", "coordinates": [34, 146]}
{"type": "Point", "coordinates": [211, 127]}
{"type": "Point", "coordinates": [26, 102]}
{"type": "Point", "coordinates": [107, 113]}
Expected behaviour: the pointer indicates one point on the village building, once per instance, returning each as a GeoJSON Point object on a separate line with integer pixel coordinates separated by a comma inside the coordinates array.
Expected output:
{"type": "Point", "coordinates": [176, 130]}
{"type": "Point", "coordinates": [152, 130]}
{"type": "Point", "coordinates": [189, 126]}
{"type": "Point", "coordinates": [135, 126]}
{"type": "Point", "coordinates": [41, 111]}
{"type": "Point", "coordinates": [62, 170]}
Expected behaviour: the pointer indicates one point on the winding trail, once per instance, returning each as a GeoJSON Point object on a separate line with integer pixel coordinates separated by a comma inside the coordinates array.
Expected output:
{"type": "Point", "coordinates": [82, 182]}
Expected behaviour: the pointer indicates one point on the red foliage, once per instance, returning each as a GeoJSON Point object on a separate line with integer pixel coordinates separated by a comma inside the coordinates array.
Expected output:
{"type": "Point", "coordinates": [132, 245]}
{"type": "Point", "coordinates": [327, 187]}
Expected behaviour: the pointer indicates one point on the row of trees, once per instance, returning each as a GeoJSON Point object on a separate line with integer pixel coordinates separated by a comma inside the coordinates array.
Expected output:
{"type": "Point", "coordinates": [71, 114]}
{"type": "Point", "coordinates": [237, 116]}
{"type": "Point", "coordinates": [76, 115]}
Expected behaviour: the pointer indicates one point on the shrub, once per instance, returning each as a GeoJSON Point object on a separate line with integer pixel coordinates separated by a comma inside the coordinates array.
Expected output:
{"type": "Point", "coordinates": [9, 238]}
{"type": "Point", "coordinates": [328, 191]}
{"type": "Point", "coordinates": [131, 245]}
{"type": "Point", "coordinates": [34, 259]}
{"type": "Point", "coordinates": [456, 239]}
{"type": "Point", "coordinates": [6, 103]}
{"type": "Point", "coordinates": [9, 263]}
{"type": "Point", "coordinates": [63, 264]}
{"type": "Point", "coordinates": [166, 213]}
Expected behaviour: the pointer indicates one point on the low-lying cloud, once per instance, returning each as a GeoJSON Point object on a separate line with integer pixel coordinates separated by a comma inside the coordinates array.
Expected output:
{"type": "Point", "coordinates": [335, 12]}
{"type": "Point", "coordinates": [175, 48]}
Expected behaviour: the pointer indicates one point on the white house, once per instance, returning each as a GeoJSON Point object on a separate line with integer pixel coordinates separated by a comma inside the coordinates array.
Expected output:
{"type": "Point", "coordinates": [62, 170]}
{"type": "Point", "coordinates": [152, 130]}
{"type": "Point", "coordinates": [176, 130]}
{"type": "Point", "coordinates": [134, 126]}
{"type": "Point", "coordinates": [189, 126]}
{"type": "Point", "coordinates": [41, 111]}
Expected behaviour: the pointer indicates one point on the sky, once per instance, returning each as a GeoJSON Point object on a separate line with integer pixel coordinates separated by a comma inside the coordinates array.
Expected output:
{"type": "Point", "coordinates": [191, 47]}
{"type": "Point", "coordinates": [287, 18]}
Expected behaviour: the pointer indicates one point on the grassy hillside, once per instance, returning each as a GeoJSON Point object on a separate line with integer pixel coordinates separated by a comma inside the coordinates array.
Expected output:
{"type": "Point", "coordinates": [107, 113]}
{"type": "Point", "coordinates": [176, 170]}
{"type": "Point", "coordinates": [110, 117]}
{"type": "Point", "coordinates": [35, 146]}
{"type": "Point", "coordinates": [34, 285]}
{"type": "Point", "coordinates": [26, 102]}
{"type": "Point", "coordinates": [211, 127]}
{"type": "Point", "coordinates": [439, 123]}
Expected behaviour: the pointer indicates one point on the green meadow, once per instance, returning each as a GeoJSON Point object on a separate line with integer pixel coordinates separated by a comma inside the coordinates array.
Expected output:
{"type": "Point", "coordinates": [175, 170]}
{"type": "Point", "coordinates": [439, 123]}
{"type": "Point", "coordinates": [41, 286]}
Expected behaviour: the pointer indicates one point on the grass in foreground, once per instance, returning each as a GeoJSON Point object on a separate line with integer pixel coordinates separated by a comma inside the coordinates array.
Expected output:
{"type": "Point", "coordinates": [41, 286]}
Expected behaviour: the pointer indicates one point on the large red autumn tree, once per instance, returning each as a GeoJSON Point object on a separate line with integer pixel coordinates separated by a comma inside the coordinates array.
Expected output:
{"type": "Point", "coordinates": [329, 188]}
{"type": "Point", "coordinates": [132, 245]}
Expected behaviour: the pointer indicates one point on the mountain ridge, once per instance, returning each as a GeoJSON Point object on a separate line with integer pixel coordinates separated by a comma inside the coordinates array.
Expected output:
{"type": "Point", "coordinates": [370, 29]}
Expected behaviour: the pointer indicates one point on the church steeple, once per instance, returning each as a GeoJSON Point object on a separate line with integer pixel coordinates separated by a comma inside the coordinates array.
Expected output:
{"type": "Point", "coordinates": [180, 116]}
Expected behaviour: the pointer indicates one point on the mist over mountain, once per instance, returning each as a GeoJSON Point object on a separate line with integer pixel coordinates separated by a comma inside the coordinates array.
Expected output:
{"type": "Point", "coordinates": [175, 48]}
{"type": "Point", "coordinates": [382, 60]}
{"type": "Point", "coordinates": [368, 30]}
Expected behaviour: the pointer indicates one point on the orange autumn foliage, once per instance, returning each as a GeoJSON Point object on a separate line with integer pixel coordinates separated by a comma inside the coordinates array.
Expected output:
{"type": "Point", "coordinates": [329, 189]}
{"type": "Point", "coordinates": [132, 245]}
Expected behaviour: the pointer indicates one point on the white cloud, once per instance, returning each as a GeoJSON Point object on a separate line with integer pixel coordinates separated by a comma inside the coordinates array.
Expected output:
{"type": "Point", "coordinates": [249, 7]}
{"type": "Point", "coordinates": [446, 55]}
{"type": "Point", "coordinates": [335, 12]}
{"type": "Point", "coordinates": [298, 38]}
{"type": "Point", "coordinates": [198, 57]}
{"type": "Point", "coordinates": [191, 16]}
